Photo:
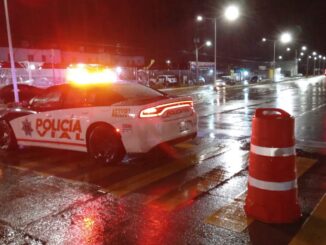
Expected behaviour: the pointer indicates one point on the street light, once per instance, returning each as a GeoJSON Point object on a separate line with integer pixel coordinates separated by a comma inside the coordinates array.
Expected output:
{"type": "Point", "coordinates": [284, 38]}
{"type": "Point", "coordinates": [307, 69]}
{"type": "Point", "coordinates": [314, 72]}
{"type": "Point", "coordinates": [288, 49]}
{"type": "Point", "coordinates": [280, 57]}
{"type": "Point", "coordinates": [320, 58]}
{"type": "Point", "coordinates": [207, 44]}
{"type": "Point", "coordinates": [231, 13]}
{"type": "Point", "coordinates": [304, 48]}
{"type": "Point", "coordinates": [199, 18]}
{"type": "Point", "coordinates": [168, 63]}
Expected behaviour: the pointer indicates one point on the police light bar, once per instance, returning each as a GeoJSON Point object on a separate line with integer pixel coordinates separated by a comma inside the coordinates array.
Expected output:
{"type": "Point", "coordinates": [84, 74]}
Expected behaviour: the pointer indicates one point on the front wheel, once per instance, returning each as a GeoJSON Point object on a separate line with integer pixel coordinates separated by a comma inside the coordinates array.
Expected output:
{"type": "Point", "coordinates": [105, 146]}
{"type": "Point", "coordinates": [7, 137]}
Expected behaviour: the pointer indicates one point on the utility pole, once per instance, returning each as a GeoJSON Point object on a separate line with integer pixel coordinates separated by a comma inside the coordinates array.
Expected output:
{"type": "Point", "coordinates": [11, 54]}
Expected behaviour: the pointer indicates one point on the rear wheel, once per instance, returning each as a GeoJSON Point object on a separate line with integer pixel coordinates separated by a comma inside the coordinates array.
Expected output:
{"type": "Point", "coordinates": [105, 146]}
{"type": "Point", "coordinates": [7, 138]}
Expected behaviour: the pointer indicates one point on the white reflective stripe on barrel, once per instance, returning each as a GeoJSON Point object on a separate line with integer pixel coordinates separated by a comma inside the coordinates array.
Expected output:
{"type": "Point", "coordinates": [272, 186]}
{"type": "Point", "coordinates": [272, 152]}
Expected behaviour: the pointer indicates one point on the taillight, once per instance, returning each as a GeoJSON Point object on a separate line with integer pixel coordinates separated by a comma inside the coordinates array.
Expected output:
{"type": "Point", "coordinates": [157, 111]}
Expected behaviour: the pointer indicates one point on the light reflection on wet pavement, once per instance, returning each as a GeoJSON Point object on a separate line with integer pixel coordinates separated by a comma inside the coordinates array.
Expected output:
{"type": "Point", "coordinates": [166, 196]}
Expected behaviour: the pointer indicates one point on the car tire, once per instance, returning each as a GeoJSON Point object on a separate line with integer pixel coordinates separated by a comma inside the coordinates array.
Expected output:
{"type": "Point", "coordinates": [105, 146]}
{"type": "Point", "coordinates": [8, 140]}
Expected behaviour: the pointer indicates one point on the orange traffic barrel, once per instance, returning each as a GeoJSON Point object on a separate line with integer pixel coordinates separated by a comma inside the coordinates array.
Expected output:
{"type": "Point", "coordinates": [272, 184]}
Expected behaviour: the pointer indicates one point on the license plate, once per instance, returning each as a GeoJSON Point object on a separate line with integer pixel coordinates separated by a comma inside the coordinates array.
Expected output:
{"type": "Point", "coordinates": [185, 126]}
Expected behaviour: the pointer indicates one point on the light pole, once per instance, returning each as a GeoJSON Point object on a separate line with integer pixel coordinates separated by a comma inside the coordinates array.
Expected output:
{"type": "Point", "coordinates": [11, 54]}
{"type": "Point", "coordinates": [231, 13]}
{"type": "Point", "coordinates": [207, 44]}
{"type": "Point", "coordinates": [168, 63]}
{"type": "Point", "coordinates": [307, 69]}
{"type": "Point", "coordinates": [285, 37]}
{"type": "Point", "coordinates": [314, 72]}
{"type": "Point", "coordinates": [320, 57]}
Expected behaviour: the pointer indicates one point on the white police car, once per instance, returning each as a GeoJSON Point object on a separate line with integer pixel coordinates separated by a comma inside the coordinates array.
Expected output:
{"type": "Point", "coordinates": [105, 120]}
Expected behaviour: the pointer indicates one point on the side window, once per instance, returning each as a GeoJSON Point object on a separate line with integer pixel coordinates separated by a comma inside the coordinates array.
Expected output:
{"type": "Point", "coordinates": [49, 100]}
{"type": "Point", "coordinates": [76, 98]}
{"type": "Point", "coordinates": [104, 97]}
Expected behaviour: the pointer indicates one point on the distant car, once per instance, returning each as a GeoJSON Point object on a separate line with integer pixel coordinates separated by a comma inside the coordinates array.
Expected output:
{"type": "Point", "coordinates": [166, 80]}
{"type": "Point", "coordinates": [105, 120]}
{"type": "Point", "coordinates": [255, 79]}
{"type": "Point", "coordinates": [220, 83]}
{"type": "Point", "coordinates": [201, 80]}
{"type": "Point", "coordinates": [223, 82]}
{"type": "Point", "coordinates": [25, 93]}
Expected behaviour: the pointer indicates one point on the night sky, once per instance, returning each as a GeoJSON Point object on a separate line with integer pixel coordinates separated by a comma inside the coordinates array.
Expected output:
{"type": "Point", "coordinates": [163, 29]}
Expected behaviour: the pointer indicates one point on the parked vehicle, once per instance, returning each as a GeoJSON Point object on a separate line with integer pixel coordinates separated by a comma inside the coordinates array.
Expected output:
{"type": "Point", "coordinates": [255, 79]}
{"type": "Point", "coordinates": [164, 80]}
{"type": "Point", "coordinates": [225, 81]}
{"type": "Point", "coordinates": [109, 120]}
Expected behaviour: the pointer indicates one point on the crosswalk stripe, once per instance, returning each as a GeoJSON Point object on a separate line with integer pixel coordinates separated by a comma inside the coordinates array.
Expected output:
{"type": "Point", "coordinates": [233, 217]}
{"type": "Point", "coordinates": [141, 180]}
{"type": "Point", "coordinates": [96, 174]}
{"type": "Point", "coordinates": [313, 230]}
{"type": "Point", "coordinates": [126, 186]}
{"type": "Point", "coordinates": [190, 190]}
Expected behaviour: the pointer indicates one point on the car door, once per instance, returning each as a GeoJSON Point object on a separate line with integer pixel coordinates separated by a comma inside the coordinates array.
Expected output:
{"type": "Point", "coordinates": [38, 127]}
{"type": "Point", "coordinates": [73, 119]}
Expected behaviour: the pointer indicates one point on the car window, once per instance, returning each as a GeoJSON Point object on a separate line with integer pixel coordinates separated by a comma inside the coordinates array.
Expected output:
{"type": "Point", "coordinates": [103, 97]}
{"type": "Point", "coordinates": [51, 98]}
{"type": "Point", "coordinates": [76, 98]}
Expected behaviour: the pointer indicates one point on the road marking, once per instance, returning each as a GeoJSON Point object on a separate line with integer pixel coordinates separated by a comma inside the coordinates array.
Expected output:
{"type": "Point", "coordinates": [233, 217]}
{"type": "Point", "coordinates": [141, 180]}
{"type": "Point", "coordinates": [126, 186]}
{"type": "Point", "coordinates": [192, 189]}
{"type": "Point", "coordinates": [96, 174]}
{"type": "Point", "coordinates": [313, 231]}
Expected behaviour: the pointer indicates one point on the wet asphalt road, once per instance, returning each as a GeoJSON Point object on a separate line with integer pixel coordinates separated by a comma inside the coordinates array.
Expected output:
{"type": "Point", "coordinates": [170, 195]}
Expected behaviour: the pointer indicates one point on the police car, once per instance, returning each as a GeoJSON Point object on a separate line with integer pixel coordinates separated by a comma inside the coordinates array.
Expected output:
{"type": "Point", "coordinates": [107, 120]}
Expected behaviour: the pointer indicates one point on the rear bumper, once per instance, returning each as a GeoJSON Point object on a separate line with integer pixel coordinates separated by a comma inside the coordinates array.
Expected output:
{"type": "Point", "coordinates": [150, 133]}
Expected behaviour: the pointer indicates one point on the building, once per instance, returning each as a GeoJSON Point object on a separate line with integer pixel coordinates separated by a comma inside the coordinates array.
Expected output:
{"type": "Point", "coordinates": [63, 58]}
{"type": "Point", "coordinates": [45, 67]}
